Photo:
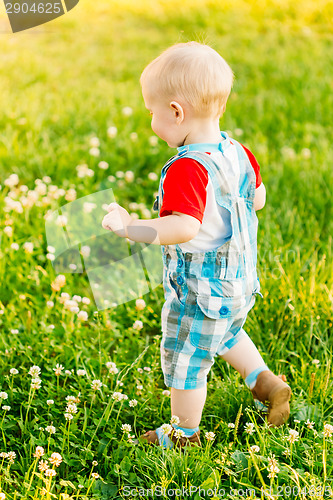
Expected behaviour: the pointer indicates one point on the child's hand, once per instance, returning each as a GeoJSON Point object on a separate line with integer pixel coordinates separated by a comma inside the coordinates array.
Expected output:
{"type": "Point", "coordinates": [117, 220]}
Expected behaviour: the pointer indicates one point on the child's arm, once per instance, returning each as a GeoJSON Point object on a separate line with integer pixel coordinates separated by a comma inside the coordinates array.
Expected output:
{"type": "Point", "coordinates": [168, 230]}
{"type": "Point", "coordinates": [260, 197]}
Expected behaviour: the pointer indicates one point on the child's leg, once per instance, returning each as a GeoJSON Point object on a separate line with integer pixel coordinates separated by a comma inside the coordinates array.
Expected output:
{"type": "Point", "coordinates": [245, 358]}
{"type": "Point", "coordinates": [187, 404]}
{"type": "Point", "coordinates": [266, 386]}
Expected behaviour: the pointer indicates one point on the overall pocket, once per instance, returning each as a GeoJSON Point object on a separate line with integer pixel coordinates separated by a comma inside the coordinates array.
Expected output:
{"type": "Point", "coordinates": [212, 319]}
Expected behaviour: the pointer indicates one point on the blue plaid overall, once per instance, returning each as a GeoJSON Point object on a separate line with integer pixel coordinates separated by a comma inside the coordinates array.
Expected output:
{"type": "Point", "coordinates": [209, 293]}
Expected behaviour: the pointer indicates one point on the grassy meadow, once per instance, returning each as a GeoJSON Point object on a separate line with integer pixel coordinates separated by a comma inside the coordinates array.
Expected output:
{"type": "Point", "coordinates": [77, 384]}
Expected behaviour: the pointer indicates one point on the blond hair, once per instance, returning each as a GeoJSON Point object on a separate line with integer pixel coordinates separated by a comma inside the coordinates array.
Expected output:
{"type": "Point", "coordinates": [194, 72]}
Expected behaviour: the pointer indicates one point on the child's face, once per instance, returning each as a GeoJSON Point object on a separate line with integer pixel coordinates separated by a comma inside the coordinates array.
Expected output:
{"type": "Point", "coordinates": [167, 120]}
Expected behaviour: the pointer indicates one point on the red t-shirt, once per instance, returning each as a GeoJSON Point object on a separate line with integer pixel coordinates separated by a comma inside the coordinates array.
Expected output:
{"type": "Point", "coordinates": [185, 186]}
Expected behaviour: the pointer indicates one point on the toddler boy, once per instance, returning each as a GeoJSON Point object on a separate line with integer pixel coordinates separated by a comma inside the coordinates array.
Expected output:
{"type": "Point", "coordinates": [208, 196]}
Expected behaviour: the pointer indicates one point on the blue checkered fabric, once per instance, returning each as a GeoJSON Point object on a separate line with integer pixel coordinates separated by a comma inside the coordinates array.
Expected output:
{"type": "Point", "coordinates": [208, 294]}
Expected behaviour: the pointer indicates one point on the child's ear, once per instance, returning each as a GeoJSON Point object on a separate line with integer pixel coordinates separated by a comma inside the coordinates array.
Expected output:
{"type": "Point", "coordinates": [178, 111]}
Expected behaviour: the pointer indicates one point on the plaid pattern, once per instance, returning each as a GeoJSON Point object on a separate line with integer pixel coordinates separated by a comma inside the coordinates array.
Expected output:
{"type": "Point", "coordinates": [208, 294]}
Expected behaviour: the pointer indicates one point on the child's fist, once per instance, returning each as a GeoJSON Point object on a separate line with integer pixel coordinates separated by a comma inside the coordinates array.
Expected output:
{"type": "Point", "coordinates": [117, 220]}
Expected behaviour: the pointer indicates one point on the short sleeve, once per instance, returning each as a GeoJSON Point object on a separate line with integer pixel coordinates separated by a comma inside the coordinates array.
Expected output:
{"type": "Point", "coordinates": [255, 165]}
{"type": "Point", "coordinates": [184, 189]}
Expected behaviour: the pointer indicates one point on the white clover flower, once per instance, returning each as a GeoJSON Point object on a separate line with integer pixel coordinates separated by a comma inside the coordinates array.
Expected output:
{"type": "Point", "coordinates": [112, 132]}
{"type": "Point", "coordinates": [51, 429]}
{"type": "Point", "coordinates": [113, 370]}
{"type": "Point", "coordinates": [96, 384]}
{"type": "Point", "coordinates": [129, 176]}
{"type": "Point", "coordinates": [293, 436]}
{"type": "Point", "coordinates": [316, 362]}
{"type": "Point", "coordinates": [28, 246]}
{"type": "Point", "coordinates": [179, 433]}
{"type": "Point", "coordinates": [61, 220]}
{"type": "Point", "coordinates": [166, 429]}
{"type": "Point", "coordinates": [85, 250]}
{"type": "Point", "coordinates": [6, 408]}
{"type": "Point", "coordinates": [255, 448]}
{"type": "Point", "coordinates": [94, 151]}
{"type": "Point", "coordinates": [50, 472]}
{"type": "Point", "coordinates": [272, 467]}
{"type": "Point", "coordinates": [36, 383]}
{"type": "Point", "coordinates": [49, 402]}
{"type": "Point", "coordinates": [2, 496]}
{"type": "Point", "coordinates": [140, 370]}
{"type": "Point", "coordinates": [69, 304]}
{"type": "Point", "coordinates": [71, 408]}
{"type": "Point", "coordinates": [174, 420]}
{"type": "Point", "coordinates": [140, 304]}
{"type": "Point", "coordinates": [95, 475]}
{"type": "Point", "coordinates": [94, 142]}
{"type": "Point", "coordinates": [43, 465]}
{"type": "Point", "coordinates": [147, 368]}
{"type": "Point", "coordinates": [166, 392]}
{"type": "Point", "coordinates": [310, 425]}
{"type": "Point", "coordinates": [14, 330]}
{"type": "Point", "coordinates": [13, 371]}
{"type": "Point", "coordinates": [15, 246]}
{"type": "Point", "coordinates": [50, 303]}
{"type": "Point", "coordinates": [82, 316]}
{"type": "Point", "coordinates": [11, 181]}
{"type": "Point", "coordinates": [69, 372]}
{"type": "Point", "coordinates": [127, 111]}
{"type": "Point", "coordinates": [34, 371]}
{"type": "Point", "coordinates": [328, 430]}
{"type": "Point", "coordinates": [210, 436]}
{"type": "Point", "coordinates": [50, 256]}
{"type": "Point", "coordinates": [126, 428]}
{"type": "Point", "coordinates": [134, 136]}
{"type": "Point", "coordinates": [103, 165]}
{"type": "Point", "coordinates": [231, 425]}
{"type": "Point", "coordinates": [39, 452]}
{"type": "Point", "coordinates": [55, 459]}
{"type": "Point", "coordinates": [81, 373]}
{"type": "Point", "coordinates": [139, 387]}
{"type": "Point", "coordinates": [137, 325]}
{"type": "Point", "coordinates": [8, 230]}
{"type": "Point", "coordinates": [64, 296]}
{"type": "Point", "coordinates": [85, 300]}
{"type": "Point", "coordinates": [249, 428]}
{"type": "Point", "coordinates": [11, 455]}
{"type": "Point", "coordinates": [68, 416]}
{"type": "Point", "coordinates": [88, 207]}
{"type": "Point", "coordinates": [58, 369]}
{"type": "Point", "coordinates": [133, 402]}
{"type": "Point", "coordinates": [153, 140]}
{"type": "Point", "coordinates": [152, 176]}
{"type": "Point", "coordinates": [118, 396]}
{"type": "Point", "coordinates": [238, 132]}
{"type": "Point", "coordinates": [70, 195]}
{"type": "Point", "coordinates": [306, 153]}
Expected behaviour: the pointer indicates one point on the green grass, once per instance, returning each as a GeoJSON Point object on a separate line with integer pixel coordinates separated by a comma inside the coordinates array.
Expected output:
{"type": "Point", "coordinates": [68, 81]}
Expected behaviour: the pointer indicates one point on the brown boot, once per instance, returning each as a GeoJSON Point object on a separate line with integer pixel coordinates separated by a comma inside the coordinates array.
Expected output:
{"type": "Point", "coordinates": [152, 438]}
{"type": "Point", "coordinates": [273, 390]}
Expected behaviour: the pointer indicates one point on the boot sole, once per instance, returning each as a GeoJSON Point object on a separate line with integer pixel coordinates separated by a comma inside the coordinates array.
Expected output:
{"type": "Point", "coordinates": [279, 409]}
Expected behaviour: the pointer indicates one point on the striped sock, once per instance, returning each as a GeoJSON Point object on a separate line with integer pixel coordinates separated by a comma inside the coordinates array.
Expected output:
{"type": "Point", "coordinates": [187, 432]}
{"type": "Point", "coordinates": [163, 439]}
{"type": "Point", "coordinates": [251, 379]}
